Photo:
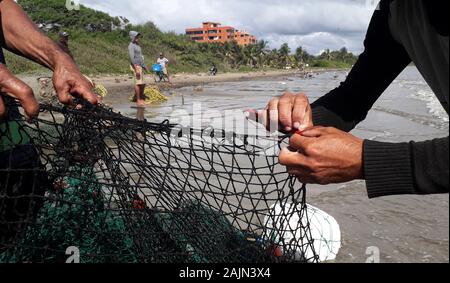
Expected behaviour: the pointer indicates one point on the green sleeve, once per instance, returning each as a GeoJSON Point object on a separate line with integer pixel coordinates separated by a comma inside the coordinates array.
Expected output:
{"type": "Point", "coordinates": [12, 134]}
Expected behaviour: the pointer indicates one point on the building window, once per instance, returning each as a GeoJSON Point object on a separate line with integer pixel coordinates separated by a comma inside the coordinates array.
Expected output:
{"type": "Point", "coordinates": [194, 32]}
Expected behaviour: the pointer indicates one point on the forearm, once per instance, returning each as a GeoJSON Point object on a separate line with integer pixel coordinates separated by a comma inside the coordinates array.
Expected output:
{"type": "Point", "coordinates": [22, 37]}
{"type": "Point", "coordinates": [381, 62]}
{"type": "Point", "coordinates": [323, 116]}
{"type": "Point", "coordinates": [407, 168]}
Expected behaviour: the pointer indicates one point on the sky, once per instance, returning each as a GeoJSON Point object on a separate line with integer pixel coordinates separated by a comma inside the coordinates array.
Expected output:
{"type": "Point", "coordinates": [313, 24]}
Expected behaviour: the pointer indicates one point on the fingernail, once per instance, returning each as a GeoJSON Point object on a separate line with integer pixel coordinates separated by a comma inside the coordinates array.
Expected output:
{"type": "Point", "coordinates": [297, 125]}
{"type": "Point", "coordinates": [288, 129]}
{"type": "Point", "coordinates": [302, 128]}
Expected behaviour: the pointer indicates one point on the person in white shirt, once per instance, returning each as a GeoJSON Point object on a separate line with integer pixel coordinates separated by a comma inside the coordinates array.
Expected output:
{"type": "Point", "coordinates": [163, 62]}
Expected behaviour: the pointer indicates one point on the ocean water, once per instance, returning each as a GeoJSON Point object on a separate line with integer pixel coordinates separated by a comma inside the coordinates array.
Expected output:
{"type": "Point", "coordinates": [408, 108]}
{"type": "Point", "coordinates": [400, 228]}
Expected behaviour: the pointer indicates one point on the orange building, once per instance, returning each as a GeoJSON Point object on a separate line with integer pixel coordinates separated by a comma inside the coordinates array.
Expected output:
{"type": "Point", "coordinates": [215, 32]}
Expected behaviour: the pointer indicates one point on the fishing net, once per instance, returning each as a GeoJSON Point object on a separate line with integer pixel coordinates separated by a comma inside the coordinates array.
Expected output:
{"type": "Point", "coordinates": [118, 190]}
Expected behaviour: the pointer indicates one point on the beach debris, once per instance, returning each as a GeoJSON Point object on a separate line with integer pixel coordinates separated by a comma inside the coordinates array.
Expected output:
{"type": "Point", "coordinates": [325, 231]}
{"type": "Point", "coordinates": [47, 92]}
{"type": "Point", "coordinates": [152, 95]}
{"type": "Point", "coordinates": [100, 90]}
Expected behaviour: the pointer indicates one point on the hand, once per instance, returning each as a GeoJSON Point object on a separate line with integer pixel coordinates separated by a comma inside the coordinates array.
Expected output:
{"type": "Point", "coordinates": [69, 83]}
{"type": "Point", "coordinates": [324, 156]}
{"type": "Point", "coordinates": [290, 112]}
{"type": "Point", "coordinates": [12, 86]}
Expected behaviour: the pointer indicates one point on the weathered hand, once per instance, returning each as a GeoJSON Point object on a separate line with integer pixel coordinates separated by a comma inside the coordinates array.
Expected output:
{"type": "Point", "coordinates": [324, 156]}
{"type": "Point", "coordinates": [290, 112]}
{"type": "Point", "coordinates": [69, 83]}
{"type": "Point", "coordinates": [12, 86]}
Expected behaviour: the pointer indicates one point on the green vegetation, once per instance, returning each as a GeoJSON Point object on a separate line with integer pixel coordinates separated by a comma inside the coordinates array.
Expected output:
{"type": "Point", "coordinates": [99, 44]}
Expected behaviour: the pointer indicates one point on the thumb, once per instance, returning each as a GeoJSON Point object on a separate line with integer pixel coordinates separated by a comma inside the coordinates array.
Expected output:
{"type": "Point", "coordinates": [313, 132]}
{"type": "Point", "coordinates": [14, 87]}
{"type": "Point", "coordinates": [256, 116]}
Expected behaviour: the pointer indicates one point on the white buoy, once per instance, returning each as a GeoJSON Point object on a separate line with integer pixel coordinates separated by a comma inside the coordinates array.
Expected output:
{"type": "Point", "coordinates": [285, 231]}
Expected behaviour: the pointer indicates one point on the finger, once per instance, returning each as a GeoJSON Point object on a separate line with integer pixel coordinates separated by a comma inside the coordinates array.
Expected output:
{"type": "Point", "coordinates": [303, 175]}
{"type": "Point", "coordinates": [252, 115]}
{"type": "Point", "coordinates": [285, 106]}
{"type": "Point", "coordinates": [307, 179]}
{"type": "Point", "coordinates": [273, 121]}
{"type": "Point", "coordinates": [292, 158]}
{"type": "Point", "coordinates": [259, 117]}
{"type": "Point", "coordinates": [86, 93]}
{"type": "Point", "coordinates": [308, 119]}
{"type": "Point", "coordinates": [2, 108]}
{"type": "Point", "coordinates": [64, 95]}
{"type": "Point", "coordinates": [12, 86]}
{"type": "Point", "coordinates": [314, 132]}
{"type": "Point", "coordinates": [298, 171]}
{"type": "Point", "coordinates": [301, 105]}
{"type": "Point", "coordinates": [299, 142]}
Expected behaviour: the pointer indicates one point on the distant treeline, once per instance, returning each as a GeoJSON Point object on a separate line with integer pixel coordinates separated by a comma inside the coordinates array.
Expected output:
{"type": "Point", "coordinates": [99, 44]}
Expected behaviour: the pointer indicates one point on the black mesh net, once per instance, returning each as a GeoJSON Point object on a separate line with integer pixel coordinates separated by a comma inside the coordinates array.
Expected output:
{"type": "Point", "coordinates": [120, 190]}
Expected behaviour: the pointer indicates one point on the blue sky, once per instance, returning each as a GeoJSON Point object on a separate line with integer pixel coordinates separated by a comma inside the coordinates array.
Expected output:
{"type": "Point", "coordinates": [313, 24]}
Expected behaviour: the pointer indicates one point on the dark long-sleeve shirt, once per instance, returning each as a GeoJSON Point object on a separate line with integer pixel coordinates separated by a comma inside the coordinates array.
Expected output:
{"type": "Point", "coordinates": [400, 31]}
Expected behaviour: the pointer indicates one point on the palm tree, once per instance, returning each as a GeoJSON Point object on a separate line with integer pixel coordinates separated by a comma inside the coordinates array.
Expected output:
{"type": "Point", "coordinates": [283, 54]}
{"type": "Point", "coordinates": [261, 52]}
{"type": "Point", "coordinates": [301, 56]}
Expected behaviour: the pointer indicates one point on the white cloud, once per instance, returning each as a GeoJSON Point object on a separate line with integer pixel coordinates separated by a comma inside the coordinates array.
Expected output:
{"type": "Point", "coordinates": [313, 24]}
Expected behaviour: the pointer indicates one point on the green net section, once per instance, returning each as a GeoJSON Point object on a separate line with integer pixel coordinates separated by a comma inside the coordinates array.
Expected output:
{"type": "Point", "coordinates": [120, 190]}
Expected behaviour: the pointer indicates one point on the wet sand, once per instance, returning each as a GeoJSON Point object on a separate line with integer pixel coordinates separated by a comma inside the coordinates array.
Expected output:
{"type": "Point", "coordinates": [403, 228]}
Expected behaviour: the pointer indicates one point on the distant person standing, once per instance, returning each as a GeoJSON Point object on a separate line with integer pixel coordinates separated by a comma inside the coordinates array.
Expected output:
{"type": "Point", "coordinates": [164, 62]}
{"type": "Point", "coordinates": [137, 66]}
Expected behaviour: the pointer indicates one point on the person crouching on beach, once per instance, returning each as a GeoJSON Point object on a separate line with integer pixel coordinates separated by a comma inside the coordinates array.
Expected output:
{"type": "Point", "coordinates": [137, 66]}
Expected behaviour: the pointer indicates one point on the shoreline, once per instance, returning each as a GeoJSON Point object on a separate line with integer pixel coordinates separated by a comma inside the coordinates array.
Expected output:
{"type": "Point", "coordinates": [116, 84]}
{"type": "Point", "coordinates": [197, 79]}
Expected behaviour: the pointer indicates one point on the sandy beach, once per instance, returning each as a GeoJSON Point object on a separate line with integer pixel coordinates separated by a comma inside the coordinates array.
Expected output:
{"type": "Point", "coordinates": [120, 84]}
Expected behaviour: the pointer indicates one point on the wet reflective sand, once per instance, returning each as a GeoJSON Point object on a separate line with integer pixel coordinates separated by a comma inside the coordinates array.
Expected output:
{"type": "Point", "coordinates": [404, 228]}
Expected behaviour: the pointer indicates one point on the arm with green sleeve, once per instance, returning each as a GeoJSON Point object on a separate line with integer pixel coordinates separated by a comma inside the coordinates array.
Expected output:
{"type": "Point", "coordinates": [390, 169]}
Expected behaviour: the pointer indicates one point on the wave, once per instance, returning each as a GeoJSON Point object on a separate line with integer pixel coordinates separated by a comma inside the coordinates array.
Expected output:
{"type": "Point", "coordinates": [434, 106]}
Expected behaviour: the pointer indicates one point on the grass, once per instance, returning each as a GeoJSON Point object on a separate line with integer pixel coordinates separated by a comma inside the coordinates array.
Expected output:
{"type": "Point", "coordinates": [104, 50]}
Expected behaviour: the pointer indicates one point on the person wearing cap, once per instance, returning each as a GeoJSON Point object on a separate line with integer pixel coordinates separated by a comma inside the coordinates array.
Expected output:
{"type": "Point", "coordinates": [64, 43]}
{"type": "Point", "coordinates": [163, 62]}
{"type": "Point", "coordinates": [137, 66]}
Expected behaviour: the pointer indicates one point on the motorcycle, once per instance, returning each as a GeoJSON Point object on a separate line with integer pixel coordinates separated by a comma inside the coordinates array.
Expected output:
{"type": "Point", "coordinates": [159, 75]}
{"type": "Point", "coordinates": [213, 71]}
